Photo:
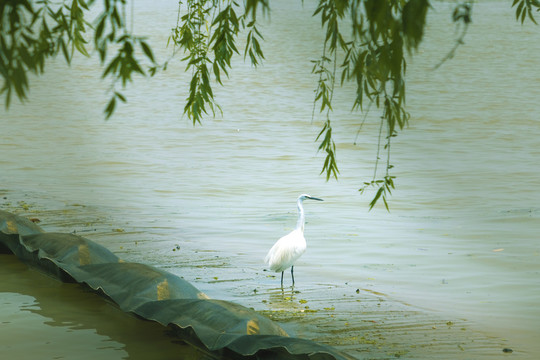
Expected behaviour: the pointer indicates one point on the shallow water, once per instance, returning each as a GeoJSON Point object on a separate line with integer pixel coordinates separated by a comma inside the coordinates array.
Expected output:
{"type": "Point", "coordinates": [44, 318]}
{"type": "Point", "coordinates": [462, 236]}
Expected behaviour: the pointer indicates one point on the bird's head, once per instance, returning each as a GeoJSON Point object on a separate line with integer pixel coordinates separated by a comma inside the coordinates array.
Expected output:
{"type": "Point", "coordinates": [306, 196]}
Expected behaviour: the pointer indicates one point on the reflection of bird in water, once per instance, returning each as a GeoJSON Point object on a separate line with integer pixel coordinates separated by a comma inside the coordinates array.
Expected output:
{"type": "Point", "coordinates": [290, 247]}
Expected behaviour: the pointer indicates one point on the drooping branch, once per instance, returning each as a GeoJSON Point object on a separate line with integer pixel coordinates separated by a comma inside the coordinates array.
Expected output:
{"type": "Point", "coordinates": [462, 16]}
{"type": "Point", "coordinates": [208, 40]}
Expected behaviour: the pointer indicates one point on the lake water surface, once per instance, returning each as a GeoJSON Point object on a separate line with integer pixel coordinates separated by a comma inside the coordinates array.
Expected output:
{"type": "Point", "coordinates": [461, 240]}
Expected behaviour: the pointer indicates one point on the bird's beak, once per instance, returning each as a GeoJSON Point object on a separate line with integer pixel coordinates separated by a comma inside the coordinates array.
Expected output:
{"type": "Point", "coordinates": [314, 198]}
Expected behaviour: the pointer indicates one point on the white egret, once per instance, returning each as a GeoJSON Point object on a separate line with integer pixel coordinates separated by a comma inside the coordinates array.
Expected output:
{"type": "Point", "coordinates": [290, 247]}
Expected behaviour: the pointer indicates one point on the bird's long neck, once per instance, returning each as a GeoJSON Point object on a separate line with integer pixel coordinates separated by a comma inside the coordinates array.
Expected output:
{"type": "Point", "coordinates": [301, 216]}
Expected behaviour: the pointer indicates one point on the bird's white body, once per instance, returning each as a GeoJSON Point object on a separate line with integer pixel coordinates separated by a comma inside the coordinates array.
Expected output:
{"type": "Point", "coordinates": [290, 247]}
{"type": "Point", "coordinates": [286, 251]}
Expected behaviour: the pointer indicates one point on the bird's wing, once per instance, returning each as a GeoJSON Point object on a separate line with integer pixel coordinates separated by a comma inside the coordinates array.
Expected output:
{"type": "Point", "coordinates": [285, 251]}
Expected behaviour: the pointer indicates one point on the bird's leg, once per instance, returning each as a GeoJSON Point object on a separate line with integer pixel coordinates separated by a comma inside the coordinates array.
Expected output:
{"type": "Point", "coordinates": [292, 274]}
{"type": "Point", "coordinates": [282, 279]}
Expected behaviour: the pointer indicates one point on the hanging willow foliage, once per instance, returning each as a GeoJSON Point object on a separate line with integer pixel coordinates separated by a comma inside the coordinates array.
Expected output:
{"type": "Point", "coordinates": [373, 37]}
